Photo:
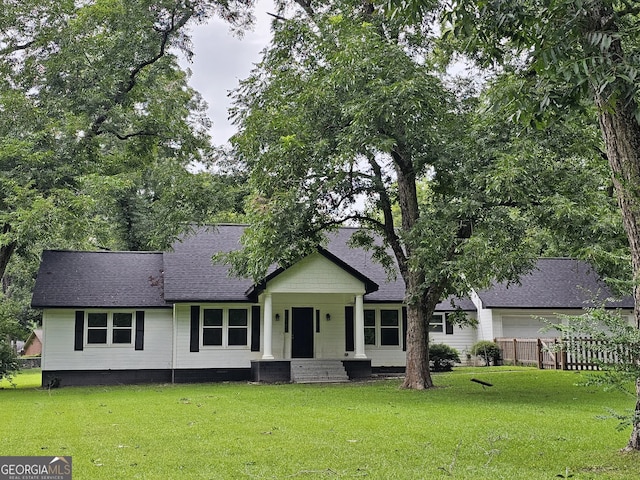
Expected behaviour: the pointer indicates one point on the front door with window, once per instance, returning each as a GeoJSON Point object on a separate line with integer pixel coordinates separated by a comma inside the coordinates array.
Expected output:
{"type": "Point", "coordinates": [302, 332]}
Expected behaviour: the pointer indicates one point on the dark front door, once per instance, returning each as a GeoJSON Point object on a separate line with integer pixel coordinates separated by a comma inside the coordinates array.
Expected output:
{"type": "Point", "coordinates": [302, 333]}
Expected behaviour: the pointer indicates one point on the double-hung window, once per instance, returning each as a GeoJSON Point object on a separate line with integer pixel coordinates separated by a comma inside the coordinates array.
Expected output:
{"type": "Point", "coordinates": [225, 327]}
{"type": "Point", "coordinates": [439, 324]}
{"type": "Point", "coordinates": [109, 328]}
{"type": "Point", "coordinates": [389, 327]}
{"type": "Point", "coordinates": [97, 328]}
{"type": "Point", "coordinates": [436, 324]}
{"type": "Point", "coordinates": [369, 327]}
{"type": "Point", "coordinates": [212, 326]}
{"type": "Point", "coordinates": [238, 326]}
{"type": "Point", "coordinates": [382, 327]}
{"type": "Point", "coordinates": [122, 324]}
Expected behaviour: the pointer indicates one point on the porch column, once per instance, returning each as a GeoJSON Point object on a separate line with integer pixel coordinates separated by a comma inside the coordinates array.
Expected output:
{"type": "Point", "coordinates": [268, 328]}
{"type": "Point", "coordinates": [359, 314]}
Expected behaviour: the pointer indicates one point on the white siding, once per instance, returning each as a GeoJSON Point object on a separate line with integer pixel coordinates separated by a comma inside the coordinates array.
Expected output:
{"type": "Point", "coordinates": [209, 356]}
{"type": "Point", "coordinates": [59, 326]}
{"type": "Point", "coordinates": [528, 324]}
{"type": "Point", "coordinates": [386, 356]}
{"type": "Point", "coordinates": [462, 339]}
{"type": "Point", "coordinates": [488, 326]}
{"type": "Point", "coordinates": [316, 274]}
{"type": "Point", "coordinates": [329, 342]}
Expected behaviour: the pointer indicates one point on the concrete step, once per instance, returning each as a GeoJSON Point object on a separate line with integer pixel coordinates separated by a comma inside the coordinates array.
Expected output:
{"type": "Point", "coordinates": [318, 371]}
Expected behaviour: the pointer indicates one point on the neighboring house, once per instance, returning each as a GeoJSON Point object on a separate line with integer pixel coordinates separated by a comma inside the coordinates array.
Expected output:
{"type": "Point", "coordinates": [17, 346]}
{"type": "Point", "coordinates": [131, 317]}
{"type": "Point", "coordinates": [33, 345]}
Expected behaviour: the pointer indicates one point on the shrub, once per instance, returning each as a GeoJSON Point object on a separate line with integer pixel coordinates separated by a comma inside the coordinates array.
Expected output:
{"type": "Point", "coordinates": [442, 357]}
{"type": "Point", "coordinates": [488, 351]}
{"type": "Point", "coordinates": [8, 361]}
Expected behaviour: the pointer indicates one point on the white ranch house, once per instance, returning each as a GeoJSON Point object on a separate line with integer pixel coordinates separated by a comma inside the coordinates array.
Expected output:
{"type": "Point", "coordinates": [134, 317]}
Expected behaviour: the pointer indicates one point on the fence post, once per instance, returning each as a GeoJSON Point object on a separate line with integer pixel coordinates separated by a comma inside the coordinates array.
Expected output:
{"type": "Point", "coordinates": [540, 355]}
{"type": "Point", "coordinates": [515, 351]}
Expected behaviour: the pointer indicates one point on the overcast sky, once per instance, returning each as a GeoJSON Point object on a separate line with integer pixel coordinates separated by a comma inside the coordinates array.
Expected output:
{"type": "Point", "coordinates": [222, 59]}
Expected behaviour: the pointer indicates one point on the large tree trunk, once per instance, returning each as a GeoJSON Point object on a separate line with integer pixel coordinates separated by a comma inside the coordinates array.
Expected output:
{"type": "Point", "coordinates": [6, 251]}
{"type": "Point", "coordinates": [621, 134]}
{"type": "Point", "coordinates": [417, 373]}
{"type": "Point", "coordinates": [634, 440]}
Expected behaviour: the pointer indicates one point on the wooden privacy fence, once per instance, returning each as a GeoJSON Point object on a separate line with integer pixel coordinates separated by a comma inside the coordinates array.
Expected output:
{"type": "Point", "coordinates": [547, 353]}
{"type": "Point", "coordinates": [532, 351]}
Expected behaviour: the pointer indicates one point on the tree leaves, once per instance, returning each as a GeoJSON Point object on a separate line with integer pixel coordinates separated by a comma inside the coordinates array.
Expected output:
{"type": "Point", "coordinates": [98, 120]}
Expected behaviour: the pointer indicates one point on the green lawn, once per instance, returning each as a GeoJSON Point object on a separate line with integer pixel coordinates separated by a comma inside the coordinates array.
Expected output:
{"type": "Point", "coordinates": [530, 425]}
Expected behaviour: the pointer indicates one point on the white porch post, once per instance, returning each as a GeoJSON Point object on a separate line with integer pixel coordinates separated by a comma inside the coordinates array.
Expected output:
{"type": "Point", "coordinates": [268, 328]}
{"type": "Point", "coordinates": [359, 327]}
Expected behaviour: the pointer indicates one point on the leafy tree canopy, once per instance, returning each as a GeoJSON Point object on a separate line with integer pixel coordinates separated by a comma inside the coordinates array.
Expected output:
{"type": "Point", "coordinates": [92, 89]}
{"type": "Point", "coordinates": [345, 111]}
{"type": "Point", "coordinates": [102, 141]}
{"type": "Point", "coordinates": [567, 55]}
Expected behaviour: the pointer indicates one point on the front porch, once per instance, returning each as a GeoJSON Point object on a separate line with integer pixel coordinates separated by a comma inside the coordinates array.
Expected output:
{"type": "Point", "coordinates": [312, 322]}
{"type": "Point", "coordinates": [310, 370]}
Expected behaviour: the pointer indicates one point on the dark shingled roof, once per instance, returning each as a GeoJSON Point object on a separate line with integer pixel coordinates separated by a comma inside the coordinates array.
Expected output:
{"type": "Point", "coordinates": [99, 279]}
{"type": "Point", "coordinates": [188, 274]}
{"type": "Point", "coordinates": [554, 283]}
{"type": "Point", "coordinates": [389, 290]}
{"type": "Point", "coordinates": [191, 275]}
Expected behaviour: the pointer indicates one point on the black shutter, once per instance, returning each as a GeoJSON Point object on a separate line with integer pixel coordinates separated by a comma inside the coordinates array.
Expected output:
{"type": "Point", "coordinates": [195, 329]}
{"type": "Point", "coordinates": [255, 328]}
{"type": "Point", "coordinates": [349, 343]}
{"type": "Point", "coordinates": [317, 321]}
{"type": "Point", "coordinates": [140, 330]}
{"type": "Point", "coordinates": [78, 340]}
{"type": "Point", "coordinates": [404, 329]}
{"type": "Point", "coordinates": [286, 321]}
{"type": "Point", "coordinates": [448, 326]}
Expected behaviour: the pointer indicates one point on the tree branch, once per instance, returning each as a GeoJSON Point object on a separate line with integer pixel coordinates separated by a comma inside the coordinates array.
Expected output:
{"type": "Point", "coordinates": [388, 227]}
{"type": "Point", "coordinates": [16, 48]}
{"type": "Point", "coordinates": [6, 251]}
{"type": "Point", "coordinates": [277, 17]}
{"type": "Point", "coordinates": [630, 8]}
{"type": "Point", "coordinates": [131, 81]}
{"type": "Point", "coordinates": [306, 6]}
{"type": "Point", "coordinates": [127, 136]}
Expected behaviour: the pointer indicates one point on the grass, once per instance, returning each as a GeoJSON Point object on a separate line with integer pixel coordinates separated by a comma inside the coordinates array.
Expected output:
{"type": "Point", "coordinates": [530, 425]}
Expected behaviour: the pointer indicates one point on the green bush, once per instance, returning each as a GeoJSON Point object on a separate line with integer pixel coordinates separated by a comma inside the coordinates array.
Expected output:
{"type": "Point", "coordinates": [442, 357]}
{"type": "Point", "coordinates": [488, 351]}
{"type": "Point", "coordinates": [8, 361]}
